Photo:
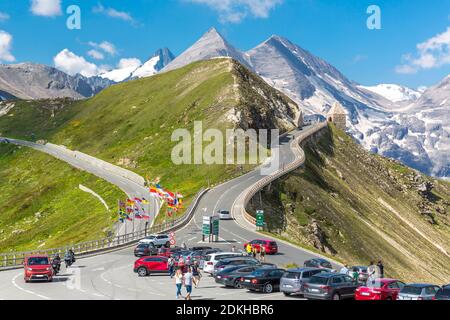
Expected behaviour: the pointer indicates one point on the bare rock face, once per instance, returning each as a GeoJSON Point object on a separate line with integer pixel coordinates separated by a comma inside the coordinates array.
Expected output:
{"type": "Point", "coordinates": [317, 238]}
{"type": "Point", "coordinates": [37, 81]}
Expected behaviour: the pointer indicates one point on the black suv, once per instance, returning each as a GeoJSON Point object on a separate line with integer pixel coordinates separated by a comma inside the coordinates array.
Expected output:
{"type": "Point", "coordinates": [145, 249]}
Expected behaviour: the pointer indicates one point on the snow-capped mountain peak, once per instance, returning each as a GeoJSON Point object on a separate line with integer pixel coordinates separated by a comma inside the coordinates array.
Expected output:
{"type": "Point", "coordinates": [153, 65]}
{"type": "Point", "coordinates": [211, 45]}
{"type": "Point", "coordinates": [394, 92]}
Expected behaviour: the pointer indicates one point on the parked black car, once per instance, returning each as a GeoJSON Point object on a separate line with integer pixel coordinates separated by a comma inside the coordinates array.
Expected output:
{"type": "Point", "coordinates": [244, 260]}
{"type": "Point", "coordinates": [318, 263]}
{"type": "Point", "coordinates": [330, 286]}
{"type": "Point", "coordinates": [145, 249]}
{"type": "Point", "coordinates": [266, 280]}
{"type": "Point", "coordinates": [201, 248]}
{"type": "Point", "coordinates": [231, 275]}
{"type": "Point", "coordinates": [443, 293]}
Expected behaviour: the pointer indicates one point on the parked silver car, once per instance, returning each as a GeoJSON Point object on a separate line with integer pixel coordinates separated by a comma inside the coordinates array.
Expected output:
{"type": "Point", "coordinates": [330, 286]}
{"type": "Point", "coordinates": [293, 280]}
{"type": "Point", "coordinates": [418, 291]}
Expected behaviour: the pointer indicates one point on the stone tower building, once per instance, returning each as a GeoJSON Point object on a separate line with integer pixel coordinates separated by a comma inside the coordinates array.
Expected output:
{"type": "Point", "coordinates": [338, 116]}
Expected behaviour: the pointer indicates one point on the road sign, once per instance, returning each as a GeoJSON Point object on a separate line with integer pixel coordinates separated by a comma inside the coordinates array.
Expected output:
{"type": "Point", "coordinates": [215, 225]}
{"type": "Point", "coordinates": [260, 218]}
{"type": "Point", "coordinates": [206, 229]}
{"type": "Point", "coordinates": [172, 242]}
{"type": "Point", "coordinates": [172, 235]}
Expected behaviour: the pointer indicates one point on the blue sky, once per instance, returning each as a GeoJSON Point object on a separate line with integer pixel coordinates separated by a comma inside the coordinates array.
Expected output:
{"type": "Point", "coordinates": [333, 30]}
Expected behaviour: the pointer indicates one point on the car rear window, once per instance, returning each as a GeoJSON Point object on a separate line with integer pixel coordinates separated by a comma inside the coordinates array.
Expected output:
{"type": "Point", "coordinates": [259, 273]}
{"type": "Point", "coordinates": [318, 280]}
{"type": "Point", "coordinates": [444, 292]}
{"type": "Point", "coordinates": [291, 275]}
{"type": "Point", "coordinates": [38, 261]}
{"type": "Point", "coordinates": [411, 290]}
{"type": "Point", "coordinates": [272, 243]}
{"type": "Point", "coordinates": [374, 284]}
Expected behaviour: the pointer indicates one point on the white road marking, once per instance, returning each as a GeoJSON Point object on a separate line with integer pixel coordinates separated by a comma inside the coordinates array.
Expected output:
{"type": "Point", "coordinates": [192, 239]}
{"type": "Point", "coordinates": [25, 290]}
{"type": "Point", "coordinates": [99, 269]}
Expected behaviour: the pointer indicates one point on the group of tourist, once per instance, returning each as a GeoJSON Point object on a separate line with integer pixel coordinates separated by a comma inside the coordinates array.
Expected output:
{"type": "Point", "coordinates": [257, 252]}
{"type": "Point", "coordinates": [374, 271]}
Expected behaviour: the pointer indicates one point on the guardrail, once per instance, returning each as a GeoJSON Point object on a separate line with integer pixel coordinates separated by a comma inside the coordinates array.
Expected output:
{"type": "Point", "coordinates": [15, 259]}
{"type": "Point", "coordinates": [298, 162]}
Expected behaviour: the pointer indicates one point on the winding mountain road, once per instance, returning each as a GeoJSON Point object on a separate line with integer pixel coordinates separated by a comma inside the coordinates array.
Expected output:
{"type": "Point", "coordinates": [110, 276]}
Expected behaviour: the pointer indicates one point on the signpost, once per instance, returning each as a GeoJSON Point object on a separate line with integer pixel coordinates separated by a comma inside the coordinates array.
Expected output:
{"type": "Point", "coordinates": [260, 219]}
{"type": "Point", "coordinates": [210, 228]}
{"type": "Point", "coordinates": [172, 239]}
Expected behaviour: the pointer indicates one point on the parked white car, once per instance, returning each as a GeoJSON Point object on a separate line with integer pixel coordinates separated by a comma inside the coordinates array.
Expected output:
{"type": "Point", "coordinates": [213, 258]}
{"type": "Point", "coordinates": [159, 240]}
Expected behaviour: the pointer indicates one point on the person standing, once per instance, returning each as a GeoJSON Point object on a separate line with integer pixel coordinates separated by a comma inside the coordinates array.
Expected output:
{"type": "Point", "coordinates": [263, 254]}
{"type": "Point", "coordinates": [381, 268]}
{"type": "Point", "coordinates": [170, 266]}
{"type": "Point", "coordinates": [188, 277]}
{"type": "Point", "coordinates": [196, 273]}
{"type": "Point", "coordinates": [179, 282]}
{"type": "Point", "coordinates": [373, 271]}
{"type": "Point", "coordinates": [254, 252]}
{"type": "Point", "coordinates": [249, 249]}
{"type": "Point", "coordinates": [344, 270]}
{"type": "Point", "coordinates": [355, 275]}
{"type": "Point", "coordinates": [233, 249]}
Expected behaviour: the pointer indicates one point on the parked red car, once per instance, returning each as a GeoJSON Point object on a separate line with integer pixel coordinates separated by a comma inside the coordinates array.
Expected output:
{"type": "Point", "coordinates": [37, 267]}
{"type": "Point", "coordinates": [380, 289]}
{"type": "Point", "coordinates": [148, 265]}
{"type": "Point", "coordinates": [270, 245]}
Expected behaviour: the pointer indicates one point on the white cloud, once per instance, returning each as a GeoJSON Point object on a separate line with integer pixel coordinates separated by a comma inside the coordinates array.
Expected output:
{"type": "Point", "coordinates": [96, 54]}
{"type": "Point", "coordinates": [234, 11]}
{"type": "Point", "coordinates": [5, 47]}
{"type": "Point", "coordinates": [4, 16]}
{"type": "Point", "coordinates": [129, 63]}
{"type": "Point", "coordinates": [72, 64]}
{"type": "Point", "coordinates": [432, 53]}
{"type": "Point", "coordinates": [46, 8]}
{"type": "Point", "coordinates": [106, 46]}
{"type": "Point", "coordinates": [113, 13]}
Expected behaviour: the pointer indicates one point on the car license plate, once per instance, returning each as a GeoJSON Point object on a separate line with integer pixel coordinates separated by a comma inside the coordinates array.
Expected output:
{"type": "Point", "coordinates": [314, 290]}
{"type": "Point", "coordinates": [365, 294]}
{"type": "Point", "coordinates": [247, 280]}
{"type": "Point", "coordinates": [287, 286]}
{"type": "Point", "coordinates": [218, 277]}
{"type": "Point", "coordinates": [39, 276]}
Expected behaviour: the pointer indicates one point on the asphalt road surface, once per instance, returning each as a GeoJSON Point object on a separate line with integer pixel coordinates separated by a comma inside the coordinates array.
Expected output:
{"type": "Point", "coordinates": [111, 276]}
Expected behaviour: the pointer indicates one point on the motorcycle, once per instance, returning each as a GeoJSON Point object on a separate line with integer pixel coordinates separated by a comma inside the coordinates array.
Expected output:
{"type": "Point", "coordinates": [68, 262]}
{"type": "Point", "coordinates": [56, 267]}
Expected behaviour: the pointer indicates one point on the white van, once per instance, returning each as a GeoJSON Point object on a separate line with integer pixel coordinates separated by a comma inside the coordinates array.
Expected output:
{"type": "Point", "coordinates": [211, 260]}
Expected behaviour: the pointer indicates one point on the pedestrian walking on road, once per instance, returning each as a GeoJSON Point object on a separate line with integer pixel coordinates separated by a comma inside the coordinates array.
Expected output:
{"type": "Point", "coordinates": [170, 266]}
{"type": "Point", "coordinates": [184, 246]}
{"type": "Point", "coordinates": [179, 282]}
{"type": "Point", "coordinates": [355, 275]}
{"type": "Point", "coordinates": [233, 249]}
{"type": "Point", "coordinates": [188, 278]}
{"type": "Point", "coordinates": [196, 273]}
{"type": "Point", "coordinates": [381, 268]}
{"type": "Point", "coordinates": [263, 253]}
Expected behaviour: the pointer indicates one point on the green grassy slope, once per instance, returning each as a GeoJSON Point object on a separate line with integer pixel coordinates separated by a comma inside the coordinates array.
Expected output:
{"type": "Point", "coordinates": [42, 205]}
{"type": "Point", "coordinates": [357, 207]}
{"type": "Point", "coordinates": [131, 124]}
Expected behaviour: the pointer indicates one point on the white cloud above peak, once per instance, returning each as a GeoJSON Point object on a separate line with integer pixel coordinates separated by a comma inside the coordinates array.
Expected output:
{"type": "Point", "coordinates": [73, 64]}
{"type": "Point", "coordinates": [4, 16]}
{"type": "Point", "coordinates": [46, 8]}
{"type": "Point", "coordinates": [432, 53]}
{"type": "Point", "coordinates": [5, 47]}
{"type": "Point", "coordinates": [105, 46]}
{"type": "Point", "coordinates": [234, 11]}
